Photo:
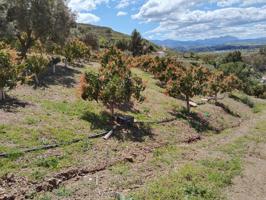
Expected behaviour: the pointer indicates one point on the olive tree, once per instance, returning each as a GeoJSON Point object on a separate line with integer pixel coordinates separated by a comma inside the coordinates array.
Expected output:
{"type": "Point", "coordinates": [32, 20]}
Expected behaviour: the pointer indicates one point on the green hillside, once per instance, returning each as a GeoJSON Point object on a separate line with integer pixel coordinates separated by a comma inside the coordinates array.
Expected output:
{"type": "Point", "coordinates": [106, 36]}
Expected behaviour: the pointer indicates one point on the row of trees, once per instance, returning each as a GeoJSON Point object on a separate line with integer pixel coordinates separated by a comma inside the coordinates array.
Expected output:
{"type": "Point", "coordinates": [114, 84]}
{"type": "Point", "coordinates": [187, 81]}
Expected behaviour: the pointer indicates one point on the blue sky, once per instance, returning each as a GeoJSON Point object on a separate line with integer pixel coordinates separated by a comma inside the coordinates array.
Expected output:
{"type": "Point", "coordinates": [176, 19]}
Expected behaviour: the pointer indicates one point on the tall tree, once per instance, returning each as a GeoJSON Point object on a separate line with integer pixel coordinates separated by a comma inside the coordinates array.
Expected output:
{"type": "Point", "coordinates": [136, 43]}
{"type": "Point", "coordinates": [32, 20]}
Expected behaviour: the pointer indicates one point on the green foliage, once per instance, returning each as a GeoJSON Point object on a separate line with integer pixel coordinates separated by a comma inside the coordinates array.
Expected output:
{"type": "Point", "coordinates": [114, 85]}
{"type": "Point", "coordinates": [91, 40]}
{"type": "Point", "coordinates": [219, 83]}
{"type": "Point", "coordinates": [235, 56]}
{"type": "Point", "coordinates": [246, 74]}
{"type": "Point", "coordinates": [136, 43]}
{"type": "Point", "coordinates": [7, 71]}
{"type": "Point", "coordinates": [122, 45]}
{"type": "Point", "coordinates": [76, 49]}
{"type": "Point", "coordinates": [35, 65]}
{"type": "Point", "coordinates": [33, 20]}
{"type": "Point", "coordinates": [189, 82]}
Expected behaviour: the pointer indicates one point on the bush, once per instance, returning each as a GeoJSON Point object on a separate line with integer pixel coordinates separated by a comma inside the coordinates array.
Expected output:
{"type": "Point", "coordinates": [35, 65]}
{"type": "Point", "coordinates": [76, 49]}
{"type": "Point", "coordinates": [7, 73]}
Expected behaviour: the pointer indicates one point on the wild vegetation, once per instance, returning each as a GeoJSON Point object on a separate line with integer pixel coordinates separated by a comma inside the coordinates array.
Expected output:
{"type": "Point", "coordinates": [193, 114]}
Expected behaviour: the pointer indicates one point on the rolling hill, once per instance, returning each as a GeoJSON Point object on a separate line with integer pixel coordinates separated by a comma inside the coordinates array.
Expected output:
{"type": "Point", "coordinates": [212, 44]}
{"type": "Point", "coordinates": [105, 35]}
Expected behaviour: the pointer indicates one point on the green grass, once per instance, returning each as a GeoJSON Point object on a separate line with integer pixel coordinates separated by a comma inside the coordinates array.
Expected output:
{"type": "Point", "coordinates": [120, 169]}
{"type": "Point", "coordinates": [259, 107]}
{"type": "Point", "coordinates": [243, 98]}
{"type": "Point", "coordinates": [196, 181]}
{"type": "Point", "coordinates": [167, 155]}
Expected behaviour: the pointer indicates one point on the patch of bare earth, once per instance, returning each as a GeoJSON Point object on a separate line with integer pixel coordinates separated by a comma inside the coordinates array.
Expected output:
{"type": "Point", "coordinates": [251, 185]}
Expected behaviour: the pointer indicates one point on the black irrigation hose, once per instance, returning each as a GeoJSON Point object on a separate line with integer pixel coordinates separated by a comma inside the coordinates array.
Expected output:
{"type": "Point", "coordinates": [52, 146]}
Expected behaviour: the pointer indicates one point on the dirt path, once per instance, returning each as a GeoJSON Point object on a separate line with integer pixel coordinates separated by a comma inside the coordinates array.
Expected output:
{"type": "Point", "coordinates": [251, 185]}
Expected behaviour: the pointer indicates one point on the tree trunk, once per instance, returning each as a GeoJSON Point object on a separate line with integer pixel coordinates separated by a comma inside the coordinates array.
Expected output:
{"type": "Point", "coordinates": [216, 97]}
{"type": "Point", "coordinates": [36, 79]}
{"type": "Point", "coordinates": [65, 62]}
{"type": "Point", "coordinates": [54, 68]}
{"type": "Point", "coordinates": [112, 110]}
{"type": "Point", "coordinates": [2, 94]}
{"type": "Point", "coordinates": [25, 44]}
{"type": "Point", "coordinates": [188, 105]}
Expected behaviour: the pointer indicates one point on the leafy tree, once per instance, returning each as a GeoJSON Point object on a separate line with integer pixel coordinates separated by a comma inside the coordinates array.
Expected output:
{"type": "Point", "coordinates": [235, 56]}
{"type": "Point", "coordinates": [114, 85]}
{"type": "Point", "coordinates": [91, 40]}
{"type": "Point", "coordinates": [220, 83]}
{"type": "Point", "coordinates": [122, 45]}
{"type": "Point", "coordinates": [76, 49]}
{"type": "Point", "coordinates": [7, 73]}
{"type": "Point", "coordinates": [248, 77]}
{"type": "Point", "coordinates": [136, 43]}
{"type": "Point", "coordinates": [191, 81]}
{"type": "Point", "coordinates": [32, 20]}
{"type": "Point", "coordinates": [35, 65]}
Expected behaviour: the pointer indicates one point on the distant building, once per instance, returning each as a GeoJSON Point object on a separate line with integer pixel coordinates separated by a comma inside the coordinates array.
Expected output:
{"type": "Point", "coordinates": [160, 54]}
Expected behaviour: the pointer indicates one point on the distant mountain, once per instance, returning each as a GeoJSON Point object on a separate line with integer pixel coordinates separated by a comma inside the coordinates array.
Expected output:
{"type": "Point", "coordinates": [211, 44]}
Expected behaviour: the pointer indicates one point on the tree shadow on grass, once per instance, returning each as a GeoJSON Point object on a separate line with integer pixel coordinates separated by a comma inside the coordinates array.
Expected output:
{"type": "Point", "coordinates": [64, 76]}
{"type": "Point", "coordinates": [138, 132]}
{"type": "Point", "coordinates": [128, 107]}
{"type": "Point", "coordinates": [196, 120]}
{"type": "Point", "coordinates": [98, 121]}
{"type": "Point", "coordinates": [10, 104]}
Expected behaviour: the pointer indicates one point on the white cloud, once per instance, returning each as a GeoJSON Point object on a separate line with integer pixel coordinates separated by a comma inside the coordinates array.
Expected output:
{"type": "Point", "coordinates": [179, 19]}
{"type": "Point", "coordinates": [125, 3]}
{"type": "Point", "coordinates": [83, 7]}
{"type": "Point", "coordinates": [121, 13]}
{"type": "Point", "coordinates": [87, 18]}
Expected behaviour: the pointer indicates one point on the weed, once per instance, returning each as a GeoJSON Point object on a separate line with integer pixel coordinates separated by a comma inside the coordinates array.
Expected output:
{"type": "Point", "coordinates": [51, 162]}
{"type": "Point", "coordinates": [63, 192]}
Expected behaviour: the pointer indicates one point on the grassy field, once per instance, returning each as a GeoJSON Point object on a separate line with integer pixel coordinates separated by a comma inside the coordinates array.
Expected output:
{"type": "Point", "coordinates": [55, 114]}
